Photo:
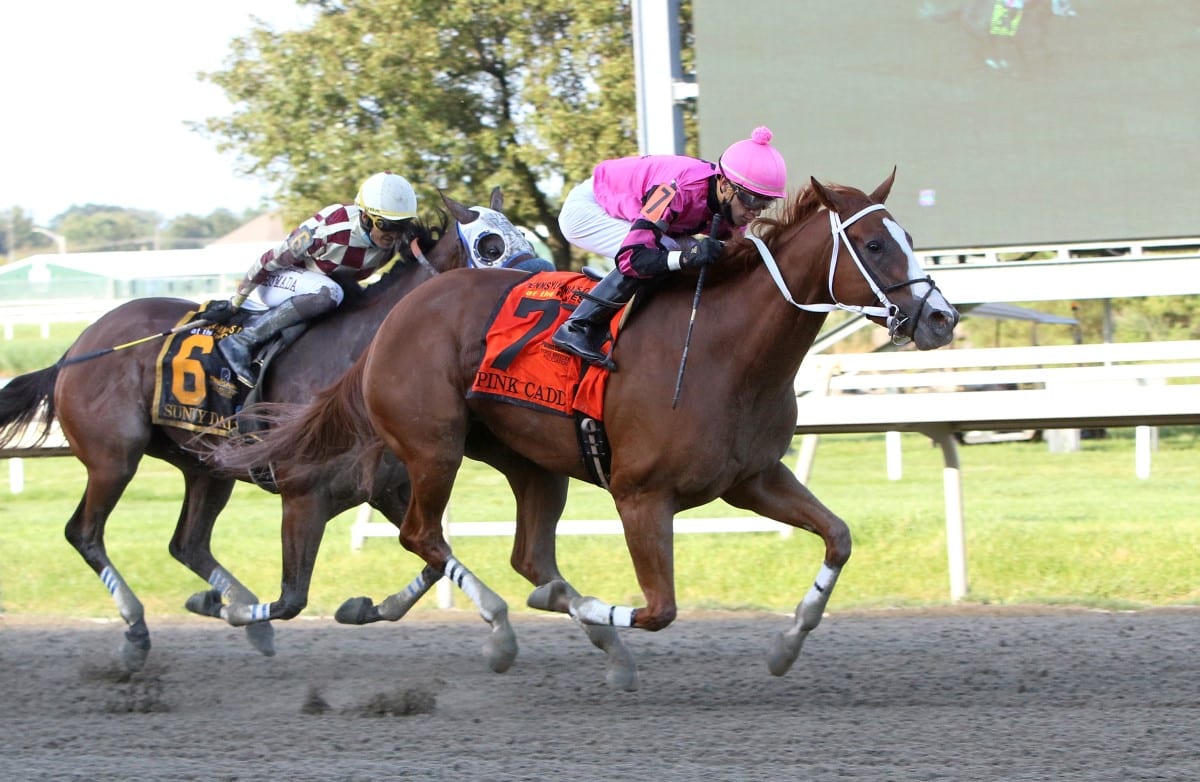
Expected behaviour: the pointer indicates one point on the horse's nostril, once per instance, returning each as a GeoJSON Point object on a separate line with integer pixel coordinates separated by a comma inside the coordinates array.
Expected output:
{"type": "Point", "coordinates": [942, 318]}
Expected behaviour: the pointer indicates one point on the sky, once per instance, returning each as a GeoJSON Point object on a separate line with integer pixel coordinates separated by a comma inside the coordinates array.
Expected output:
{"type": "Point", "coordinates": [95, 98]}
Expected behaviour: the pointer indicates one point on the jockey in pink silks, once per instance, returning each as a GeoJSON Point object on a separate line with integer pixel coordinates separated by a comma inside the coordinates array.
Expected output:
{"type": "Point", "coordinates": [645, 212]}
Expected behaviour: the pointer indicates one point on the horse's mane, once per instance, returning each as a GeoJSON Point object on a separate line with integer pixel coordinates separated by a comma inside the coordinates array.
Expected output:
{"type": "Point", "coordinates": [743, 255]}
{"type": "Point", "coordinates": [426, 233]}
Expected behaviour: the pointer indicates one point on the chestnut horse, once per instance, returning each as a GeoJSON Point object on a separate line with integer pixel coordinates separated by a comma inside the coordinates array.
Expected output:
{"type": "Point", "coordinates": [104, 408]}
{"type": "Point", "coordinates": [763, 304]}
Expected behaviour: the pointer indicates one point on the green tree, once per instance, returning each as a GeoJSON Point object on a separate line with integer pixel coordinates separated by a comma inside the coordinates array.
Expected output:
{"type": "Point", "coordinates": [188, 231]}
{"type": "Point", "coordinates": [18, 238]}
{"type": "Point", "coordinates": [459, 95]}
{"type": "Point", "coordinates": [100, 228]}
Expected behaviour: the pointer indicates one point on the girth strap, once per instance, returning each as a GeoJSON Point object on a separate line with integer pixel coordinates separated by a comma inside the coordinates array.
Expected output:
{"type": "Point", "coordinates": [593, 447]}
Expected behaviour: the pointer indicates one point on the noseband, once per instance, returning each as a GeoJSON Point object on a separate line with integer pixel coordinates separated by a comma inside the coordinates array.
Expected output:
{"type": "Point", "coordinates": [889, 311]}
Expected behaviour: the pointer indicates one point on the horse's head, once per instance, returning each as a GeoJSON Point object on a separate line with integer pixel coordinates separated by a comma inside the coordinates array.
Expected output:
{"type": "Point", "coordinates": [491, 240]}
{"type": "Point", "coordinates": [873, 269]}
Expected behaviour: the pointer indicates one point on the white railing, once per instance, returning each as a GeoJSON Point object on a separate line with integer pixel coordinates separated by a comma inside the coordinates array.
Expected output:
{"type": "Point", "coordinates": [945, 393]}
{"type": "Point", "coordinates": [46, 312]}
{"type": "Point", "coordinates": [364, 527]}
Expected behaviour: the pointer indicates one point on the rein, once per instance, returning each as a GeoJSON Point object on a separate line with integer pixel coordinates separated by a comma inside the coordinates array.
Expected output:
{"type": "Point", "coordinates": [420, 256]}
{"type": "Point", "coordinates": [837, 227]}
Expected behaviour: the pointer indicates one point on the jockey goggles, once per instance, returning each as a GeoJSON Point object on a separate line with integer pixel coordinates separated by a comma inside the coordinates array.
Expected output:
{"type": "Point", "coordinates": [751, 200]}
{"type": "Point", "coordinates": [387, 226]}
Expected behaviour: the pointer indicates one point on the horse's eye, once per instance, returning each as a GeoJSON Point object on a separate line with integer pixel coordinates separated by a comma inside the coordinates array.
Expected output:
{"type": "Point", "coordinates": [492, 247]}
{"type": "Point", "coordinates": [875, 245]}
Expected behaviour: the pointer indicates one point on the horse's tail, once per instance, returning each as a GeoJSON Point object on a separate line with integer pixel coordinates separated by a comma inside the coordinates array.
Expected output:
{"type": "Point", "coordinates": [25, 400]}
{"type": "Point", "coordinates": [306, 438]}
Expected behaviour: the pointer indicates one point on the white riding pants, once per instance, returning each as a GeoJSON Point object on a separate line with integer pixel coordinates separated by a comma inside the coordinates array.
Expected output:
{"type": "Point", "coordinates": [586, 225]}
{"type": "Point", "coordinates": [283, 285]}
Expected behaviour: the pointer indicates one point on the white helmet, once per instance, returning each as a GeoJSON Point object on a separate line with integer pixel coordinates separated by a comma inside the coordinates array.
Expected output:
{"type": "Point", "coordinates": [387, 198]}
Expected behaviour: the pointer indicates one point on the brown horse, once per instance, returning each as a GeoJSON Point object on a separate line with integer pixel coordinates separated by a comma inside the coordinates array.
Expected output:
{"type": "Point", "coordinates": [763, 304]}
{"type": "Point", "coordinates": [104, 408]}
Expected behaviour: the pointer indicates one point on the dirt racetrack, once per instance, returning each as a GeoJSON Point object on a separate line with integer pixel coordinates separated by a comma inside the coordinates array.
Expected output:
{"type": "Point", "coordinates": [950, 694]}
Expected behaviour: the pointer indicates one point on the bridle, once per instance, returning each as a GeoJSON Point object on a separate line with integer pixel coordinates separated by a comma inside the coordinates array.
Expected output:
{"type": "Point", "coordinates": [489, 222]}
{"type": "Point", "coordinates": [889, 311]}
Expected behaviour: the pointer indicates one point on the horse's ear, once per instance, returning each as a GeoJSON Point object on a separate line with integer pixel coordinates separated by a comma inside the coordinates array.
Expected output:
{"type": "Point", "coordinates": [881, 193]}
{"type": "Point", "coordinates": [457, 210]}
{"type": "Point", "coordinates": [497, 202]}
{"type": "Point", "coordinates": [823, 195]}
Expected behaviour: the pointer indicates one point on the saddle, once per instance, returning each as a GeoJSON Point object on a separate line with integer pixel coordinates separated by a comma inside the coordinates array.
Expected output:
{"type": "Point", "coordinates": [521, 366]}
{"type": "Point", "coordinates": [194, 388]}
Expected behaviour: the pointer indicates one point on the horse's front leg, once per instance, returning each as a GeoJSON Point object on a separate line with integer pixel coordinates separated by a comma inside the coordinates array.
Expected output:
{"type": "Point", "coordinates": [649, 536]}
{"type": "Point", "coordinates": [303, 527]}
{"type": "Point", "coordinates": [204, 498]}
{"type": "Point", "coordinates": [777, 494]}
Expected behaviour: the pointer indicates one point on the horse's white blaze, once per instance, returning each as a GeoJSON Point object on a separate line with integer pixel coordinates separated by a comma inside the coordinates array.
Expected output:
{"type": "Point", "coordinates": [915, 272]}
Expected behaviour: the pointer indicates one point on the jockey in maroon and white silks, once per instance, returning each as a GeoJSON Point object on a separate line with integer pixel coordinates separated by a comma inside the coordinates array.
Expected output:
{"type": "Point", "coordinates": [646, 212]}
{"type": "Point", "coordinates": [331, 243]}
{"type": "Point", "coordinates": [296, 281]}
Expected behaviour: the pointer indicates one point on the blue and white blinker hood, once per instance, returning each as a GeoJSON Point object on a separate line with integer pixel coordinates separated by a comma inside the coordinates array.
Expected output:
{"type": "Point", "coordinates": [490, 222]}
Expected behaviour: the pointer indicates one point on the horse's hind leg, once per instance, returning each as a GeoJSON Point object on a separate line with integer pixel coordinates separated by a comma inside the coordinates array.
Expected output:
{"type": "Point", "coordinates": [421, 533]}
{"type": "Point", "coordinates": [362, 610]}
{"type": "Point", "coordinates": [204, 497]}
{"type": "Point", "coordinates": [429, 439]}
{"type": "Point", "coordinates": [777, 494]}
{"type": "Point", "coordinates": [541, 497]}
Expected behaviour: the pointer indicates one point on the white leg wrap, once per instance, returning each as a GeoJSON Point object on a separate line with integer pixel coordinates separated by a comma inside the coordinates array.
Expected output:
{"type": "Point", "coordinates": [593, 611]}
{"type": "Point", "coordinates": [471, 586]}
{"type": "Point", "coordinates": [230, 588]}
{"type": "Point", "coordinates": [397, 605]}
{"type": "Point", "coordinates": [808, 613]}
{"type": "Point", "coordinates": [128, 605]}
{"type": "Point", "coordinates": [239, 614]}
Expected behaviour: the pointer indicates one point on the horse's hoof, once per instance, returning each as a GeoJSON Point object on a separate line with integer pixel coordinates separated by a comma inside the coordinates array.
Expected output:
{"type": "Point", "coordinates": [356, 611]}
{"type": "Point", "coordinates": [205, 603]}
{"type": "Point", "coordinates": [501, 648]}
{"type": "Point", "coordinates": [553, 596]}
{"type": "Point", "coordinates": [136, 648]}
{"type": "Point", "coordinates": [622, 677]}
{"type": "Point", "coordinates": [622, 671]}
{"type": "Point", "coordinates": [133, 658]}
{"type": "Point", "coordinates": [261, 636]}
{"type": "Point", "coordinates": [785, 648]}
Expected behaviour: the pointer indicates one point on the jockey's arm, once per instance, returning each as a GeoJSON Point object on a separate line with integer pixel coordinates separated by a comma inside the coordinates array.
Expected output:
{"type": "Point", "coordinates": [290, 253]}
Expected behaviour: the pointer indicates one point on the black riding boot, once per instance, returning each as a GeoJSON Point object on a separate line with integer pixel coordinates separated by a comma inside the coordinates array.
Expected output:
{"type": "Point", "coordinates": [586, 330]}
{"type": "Point", "coordinates": [238, 349]}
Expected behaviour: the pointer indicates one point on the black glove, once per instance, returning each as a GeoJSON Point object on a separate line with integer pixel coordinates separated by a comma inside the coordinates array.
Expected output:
{"type": "Point", "coordinates": [220, 311]}
{"type": "Point", "coordinates": [702, 253]}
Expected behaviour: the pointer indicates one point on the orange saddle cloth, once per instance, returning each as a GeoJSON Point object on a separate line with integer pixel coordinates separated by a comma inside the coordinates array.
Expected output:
{"type": "Point", "coordinates": [522, 367]}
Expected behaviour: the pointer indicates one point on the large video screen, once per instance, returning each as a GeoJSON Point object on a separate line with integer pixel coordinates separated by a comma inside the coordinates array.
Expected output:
{"type": "Point", "coordinates": [1007, 125]}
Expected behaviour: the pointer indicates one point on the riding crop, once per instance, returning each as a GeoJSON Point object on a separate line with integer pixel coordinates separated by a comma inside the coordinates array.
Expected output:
{"type": "Point", "coordinates": [105, 351]}
{"type": "Point", "coordinates": [716, 221]}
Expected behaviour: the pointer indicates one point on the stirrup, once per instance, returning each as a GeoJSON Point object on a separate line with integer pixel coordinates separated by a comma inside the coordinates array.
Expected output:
{"type": "Point", "coordinates": [588, 354]}
{"type": "Point", "coordinates": [248, 378]}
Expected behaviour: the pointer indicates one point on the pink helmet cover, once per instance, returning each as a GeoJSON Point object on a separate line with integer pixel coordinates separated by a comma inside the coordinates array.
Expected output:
{"type": "Point", "coordinates": [755, 165]}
